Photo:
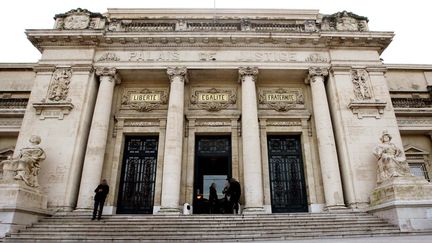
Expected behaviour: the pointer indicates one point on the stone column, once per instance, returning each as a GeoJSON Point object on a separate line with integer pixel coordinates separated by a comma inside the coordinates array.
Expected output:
{"type": "Point", "coordinates": [171, 178]}
{"type": "Point", "coordinates": [326, 143]}
{"type": "Point", "coordinates": [253, 186]}
{"type": "Point", "coordinates": [94, 157]}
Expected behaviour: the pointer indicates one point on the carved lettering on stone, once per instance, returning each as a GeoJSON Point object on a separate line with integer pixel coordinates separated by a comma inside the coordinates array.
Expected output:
{"type": "Point", "coordinates": [361, 83]}
{"type": "Point", "coordinates": [144, 100]}
{"type": "Point", "coordinates": [280, 99]}
{"type": "Point", "coordinates": [59, 87]}
{"type": "Point", "coordinates": [212, 99]}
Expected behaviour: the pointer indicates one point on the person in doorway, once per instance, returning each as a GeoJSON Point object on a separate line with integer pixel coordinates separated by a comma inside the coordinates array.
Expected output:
{"type": "Point", "coordinates": [235, 192]}
{"type": "Point", "coordinates": [101, 191]}
{"type": "Point", "coordinates": [213, 199]}
{"type": "Point", "coordinates": [227, 206]}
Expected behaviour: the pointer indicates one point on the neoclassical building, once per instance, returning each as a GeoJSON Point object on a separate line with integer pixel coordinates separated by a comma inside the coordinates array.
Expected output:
{"type": "Point", "coordinates": [164, 102]}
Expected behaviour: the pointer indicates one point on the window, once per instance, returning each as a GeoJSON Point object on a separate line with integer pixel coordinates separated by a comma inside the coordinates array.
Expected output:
{"type": "Point", "coordinates": [419, 169]}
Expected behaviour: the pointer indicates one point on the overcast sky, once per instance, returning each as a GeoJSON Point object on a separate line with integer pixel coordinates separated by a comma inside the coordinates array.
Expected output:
{"type": "Point", "coordinates": [410, 20]}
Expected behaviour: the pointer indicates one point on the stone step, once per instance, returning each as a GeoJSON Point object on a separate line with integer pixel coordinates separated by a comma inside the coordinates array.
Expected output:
{"type": "Point", "coordinates": [203, 237]}
{"type": "Point", "coordinates": [104, 227]}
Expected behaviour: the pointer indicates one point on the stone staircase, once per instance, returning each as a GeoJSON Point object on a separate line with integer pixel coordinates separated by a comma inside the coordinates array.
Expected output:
{"type": "Point", "coordinates": [73, 227]}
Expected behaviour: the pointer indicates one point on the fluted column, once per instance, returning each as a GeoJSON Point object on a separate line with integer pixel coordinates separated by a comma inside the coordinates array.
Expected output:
{"type": "Point", "coordinates": [253, 189]}
{"type": "Point", "coordinates": [326, 143]}
{"type": "Point", "coordinates": [94, 157]}
{"type": "Point", "coordinates": [171, 178]}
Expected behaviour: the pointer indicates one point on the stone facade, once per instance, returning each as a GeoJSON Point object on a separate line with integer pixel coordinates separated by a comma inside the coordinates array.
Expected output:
{"type": "Point", "coordinates": [180, 74]}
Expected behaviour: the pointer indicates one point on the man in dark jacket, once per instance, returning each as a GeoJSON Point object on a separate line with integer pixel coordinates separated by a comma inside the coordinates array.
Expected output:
{"type": "Point", "coordinates": [101, 193]}
{"type": "Point", "coordinates": [235, 191]}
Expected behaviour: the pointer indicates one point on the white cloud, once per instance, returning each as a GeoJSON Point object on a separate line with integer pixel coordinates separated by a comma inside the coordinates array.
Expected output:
{"type": "Point", "coordinates": [408, 19]}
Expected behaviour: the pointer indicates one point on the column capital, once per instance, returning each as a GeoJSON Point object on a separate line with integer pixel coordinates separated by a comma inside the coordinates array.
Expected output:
{"type": "Point", "coordinates": [177, 71]}
{"type": "Point", "coordinates": [315, 72]}
{"type": "Point", "coordinates": [248, 71]}
{"type": "Point", "coordinates": [110, 72]}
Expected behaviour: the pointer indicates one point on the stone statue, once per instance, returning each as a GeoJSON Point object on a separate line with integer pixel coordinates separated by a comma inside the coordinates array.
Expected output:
{"type": "Point", "coordinates": [391, 162]}
{"type": "Point", "coordinates": [26, 166]}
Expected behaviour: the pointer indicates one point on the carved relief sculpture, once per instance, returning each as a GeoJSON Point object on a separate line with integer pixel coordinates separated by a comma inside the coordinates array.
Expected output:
{"type": "Point", "coordinates": [108, 56]}
{"type": "Point", "coordinates": [78, 19]}
{"type": "Point", "coordinates": [360, 80]}
{"type": "Point", "coordinates": [344, 21]}
{"type": "Point", "coordinates": [26, 166]}
{"type": "Point", "coordinates": [391, 162]}
{"type": "Point", "coordinates": [59, 87]}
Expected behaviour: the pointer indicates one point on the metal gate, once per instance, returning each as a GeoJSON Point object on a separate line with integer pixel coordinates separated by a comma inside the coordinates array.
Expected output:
{"type": "Point", "coordinates": [287, 182]}
{"type": "Point", "coordinates": [137, 183]}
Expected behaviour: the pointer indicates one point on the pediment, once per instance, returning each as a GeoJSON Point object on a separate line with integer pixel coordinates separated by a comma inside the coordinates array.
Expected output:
{"type": "Point", "coordinates": [413, 150]}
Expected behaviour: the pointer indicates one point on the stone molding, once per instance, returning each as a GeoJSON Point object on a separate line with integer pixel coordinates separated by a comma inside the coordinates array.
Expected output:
{"type": "Point", "coordinates": [195, 103]}
{"type": "Point", "coordinates": [176, 72]}
{"type": "Point", "coordinates": [248, 71]}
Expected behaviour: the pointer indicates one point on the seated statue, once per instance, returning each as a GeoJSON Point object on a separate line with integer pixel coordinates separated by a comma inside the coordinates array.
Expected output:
{"type": "Point", "coordinates": [26, 166]}
{"type": "Point", "coordinates": [391, 162]}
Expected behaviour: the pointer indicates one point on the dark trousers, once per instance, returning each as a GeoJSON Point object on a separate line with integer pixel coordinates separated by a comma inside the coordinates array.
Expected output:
{"type": "Point", "coordinates": [98, 204]}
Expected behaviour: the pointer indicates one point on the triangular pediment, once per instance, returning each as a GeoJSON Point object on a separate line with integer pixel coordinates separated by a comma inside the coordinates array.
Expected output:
{"type": "Point", "coordinates": [413, 150]}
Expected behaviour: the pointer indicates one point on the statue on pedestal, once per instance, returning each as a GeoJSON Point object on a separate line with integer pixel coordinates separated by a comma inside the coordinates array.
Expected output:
{"type": "Point", "coordinates": [391, 162]}
{"type": "Point", "coordinates": [26, 166]}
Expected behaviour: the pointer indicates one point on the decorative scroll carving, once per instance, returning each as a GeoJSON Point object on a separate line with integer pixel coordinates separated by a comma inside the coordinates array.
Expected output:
{"type": "Point", "coordinates": [317, 72]}
{"type": "Point", "coordinates": [248, 71]}
{"type": "Point", "coordinates": [108, 56]}
{"type": "Point", "coordinates": [315, 57]}
{"type": "Point", "coordinates": [59, 87]}
{"type": "Point", "coordinates": [344, 21]}
{"type": "Point", "coordinates": [26, 166]}
{"type": "Point", "coordinates": [212, 99]}
{"type": "Point", "coordinates": [177, 72]}
{"type": "Point", "coordinates": [391, 162]}
{"type": "Point", "coordinates": [144, 100]}
{"type": "Point", "coordinates": [361, 83]}
{"type": "Point", "coordinates": [281, 99]}
{"type": "Point", "coordinates": [78, 19]}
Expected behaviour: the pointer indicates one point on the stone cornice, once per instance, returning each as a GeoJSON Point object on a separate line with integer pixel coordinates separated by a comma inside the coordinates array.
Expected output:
{"type": "Point", "coordinates": [98, 38]}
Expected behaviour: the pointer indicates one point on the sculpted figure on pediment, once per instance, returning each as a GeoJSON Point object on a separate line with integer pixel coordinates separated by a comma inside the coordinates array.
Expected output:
{"type": "Point", "coordinates": [78, 19]}
{"type": "Point", "coordinates": [344, 21]}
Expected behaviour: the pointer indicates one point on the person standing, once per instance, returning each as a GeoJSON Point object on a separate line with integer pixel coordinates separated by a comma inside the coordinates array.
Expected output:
{"type": "Point", "coordinates": [101, 191]}
{"type": "Point", "coordinates": [213, 199]}
{"type": "Point", "coordinates": [235, 192]}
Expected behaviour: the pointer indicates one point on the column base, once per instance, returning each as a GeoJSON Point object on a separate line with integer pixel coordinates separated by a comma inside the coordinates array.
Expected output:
{"type": "Point", "coordinates": [254, 210]}
{"type": "Point", "coordinates": [169, 211]}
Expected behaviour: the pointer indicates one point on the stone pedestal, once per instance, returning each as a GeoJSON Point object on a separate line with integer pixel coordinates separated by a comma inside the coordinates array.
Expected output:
{"type": "Point", "coordinates": [20, 206]}
{"type": "Point", "coordinates": [404, 201]}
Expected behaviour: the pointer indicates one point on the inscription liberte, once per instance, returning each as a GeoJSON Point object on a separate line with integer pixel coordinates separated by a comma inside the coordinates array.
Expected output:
{"type": "Point", "coordinates": [145, 97]}
{"type": "Point", "coordinates": [169, 56]}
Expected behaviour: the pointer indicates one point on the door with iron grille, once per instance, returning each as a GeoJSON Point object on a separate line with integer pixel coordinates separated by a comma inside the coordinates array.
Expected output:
{"type": "Point", "coordinates": [287, 182]}
{"type": "Point", "coordinates": [137, 183]}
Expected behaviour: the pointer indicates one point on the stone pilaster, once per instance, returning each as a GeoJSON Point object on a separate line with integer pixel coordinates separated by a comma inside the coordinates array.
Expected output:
{"type": "Point", "coordinates": [326, 143]}
{"type": "Point", "coordinates": [96, 145]}
{"type": "Point", "coordinates": [173, 142]}
{"type": "Point", "coordinates": [253, 185]}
